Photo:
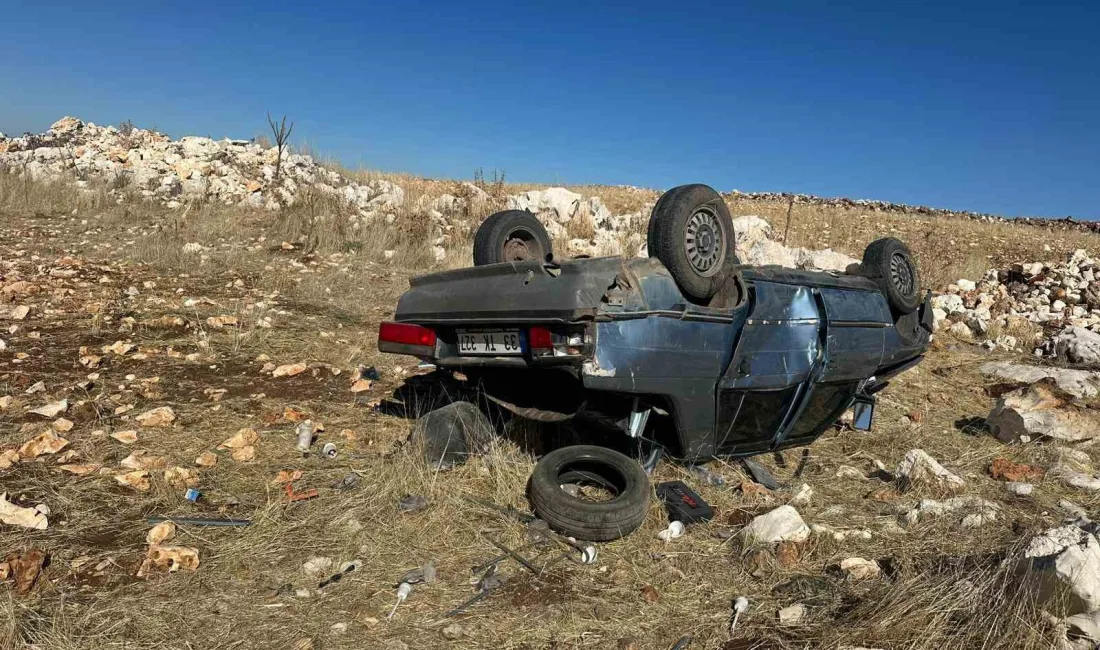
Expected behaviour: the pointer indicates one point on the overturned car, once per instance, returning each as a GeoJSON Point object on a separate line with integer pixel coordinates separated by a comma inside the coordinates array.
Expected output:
{"type": "Point", "coordinates": [687, 351]}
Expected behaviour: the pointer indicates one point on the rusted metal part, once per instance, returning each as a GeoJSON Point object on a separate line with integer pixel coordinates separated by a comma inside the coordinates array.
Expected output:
{"type": "Point", "coordinates": [530, 412]}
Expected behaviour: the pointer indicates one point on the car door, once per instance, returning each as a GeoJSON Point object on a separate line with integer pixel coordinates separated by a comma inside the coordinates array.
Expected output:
{"type": "Point", "coordinates": [777, 351]}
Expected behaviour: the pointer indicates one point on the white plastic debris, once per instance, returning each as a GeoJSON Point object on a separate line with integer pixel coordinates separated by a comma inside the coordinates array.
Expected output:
{"type": "Point", "coordinates": [740, 606]}
{"type": "Point", "coordinates": [403, 591]}
{"type": "Point", "coordinates": [675, 529]}
{"type": "Point", "coordinates": [305, 435]}
{"type": "Point", "coordinates": [588, 555]}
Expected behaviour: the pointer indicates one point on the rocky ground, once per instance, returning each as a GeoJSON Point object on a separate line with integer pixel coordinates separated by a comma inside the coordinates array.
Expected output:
{"type": "Point", "coordinates": [151, 348]}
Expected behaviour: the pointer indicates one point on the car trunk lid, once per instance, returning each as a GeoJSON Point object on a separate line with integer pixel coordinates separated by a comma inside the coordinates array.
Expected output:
{"type": "Point", "coordinates": [527, 292]}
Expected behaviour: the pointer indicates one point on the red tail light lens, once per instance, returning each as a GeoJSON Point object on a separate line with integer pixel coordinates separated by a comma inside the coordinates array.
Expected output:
{"type": "Point", "coordinates": [540, 338]}
{"type": "Point", "coordinates": [407, 334]}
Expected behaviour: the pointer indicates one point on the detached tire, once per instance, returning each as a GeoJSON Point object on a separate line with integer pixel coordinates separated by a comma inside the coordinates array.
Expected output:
{"type": "Point", "coordinates": [890, 264]}
{"type": "Point", "coordinates": [596, 521]}
{"type": "Point", "coordinates": [691, 232]}
{"type": "Point", "coordinates": [511, 236]}
{"type": "Point", "coordinates": [451, 433]}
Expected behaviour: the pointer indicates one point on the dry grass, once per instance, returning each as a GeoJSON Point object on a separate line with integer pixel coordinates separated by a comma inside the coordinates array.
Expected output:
{"type": "Point", "coordinates": [327, 292]}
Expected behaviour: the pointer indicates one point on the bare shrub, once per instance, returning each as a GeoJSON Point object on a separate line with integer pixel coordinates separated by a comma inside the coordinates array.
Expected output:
{"type": "Point", "coordinates": [281, 132]}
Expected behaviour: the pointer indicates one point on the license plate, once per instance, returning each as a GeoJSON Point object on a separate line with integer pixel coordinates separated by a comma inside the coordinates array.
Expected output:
{"type": "Point", "coordinates": [496, 343]}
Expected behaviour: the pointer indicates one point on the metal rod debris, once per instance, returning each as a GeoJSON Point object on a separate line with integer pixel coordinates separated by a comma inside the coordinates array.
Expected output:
{"type": "Point", "coordinates": [515, 556]}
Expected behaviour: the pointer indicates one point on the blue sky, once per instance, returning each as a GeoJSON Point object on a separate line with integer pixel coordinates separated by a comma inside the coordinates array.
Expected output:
{"type": "Point", "coordinates": [988, 106]}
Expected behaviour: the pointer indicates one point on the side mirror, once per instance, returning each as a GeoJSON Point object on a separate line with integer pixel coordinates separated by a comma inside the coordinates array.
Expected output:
{"type": "Point", "coordinates": [863, 413]}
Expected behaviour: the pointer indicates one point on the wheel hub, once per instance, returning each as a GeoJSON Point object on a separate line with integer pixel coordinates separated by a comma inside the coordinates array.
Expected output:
{"type": "Point", "coordinates": [901, 273]}
{"type": "Point", "coordinates": [516, 250]}
{"type": "Point", "coordinates": [703, 242]}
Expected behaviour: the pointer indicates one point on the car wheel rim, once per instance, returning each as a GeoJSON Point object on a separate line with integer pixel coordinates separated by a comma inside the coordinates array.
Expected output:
{"type": "Point", "coordinates": [520, 245]}
{"type": "Point", "coordinates": [901, 272]}
{"type": "Point", "coordinates": [705, 242]}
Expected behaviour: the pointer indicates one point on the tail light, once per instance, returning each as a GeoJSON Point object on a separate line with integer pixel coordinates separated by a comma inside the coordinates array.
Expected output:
{"type": "Point", "coordinates": [406, 338]}
{"type": "Point", "coordinates": [544, 343]}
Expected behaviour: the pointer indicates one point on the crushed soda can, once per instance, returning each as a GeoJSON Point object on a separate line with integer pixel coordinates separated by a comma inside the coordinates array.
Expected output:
{"type": "Point", "coordinates": [329, 450]}
{"type": "Point", "coordinates": [192, 495]}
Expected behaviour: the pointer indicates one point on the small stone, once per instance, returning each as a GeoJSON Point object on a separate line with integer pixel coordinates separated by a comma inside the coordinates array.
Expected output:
{"type": "Point", "coordinates": [453, 632]}
{"type": "Point", "coordinates": [787, 554]}
{"type": "Point", "coordinates": [783, 524]}
{"type": "Point", "coordinates": [1003, 469]}
{"type": "Point", "coordinates": [412, 503]}
{"type": "Point", "coordinates": [792, 615]}
{"type": "Point", "coordinates": [919, 466]}
{"type": "Point", "coordinates": [1020, 489]}
{"type": "Point", "coordinates": [858, 568]}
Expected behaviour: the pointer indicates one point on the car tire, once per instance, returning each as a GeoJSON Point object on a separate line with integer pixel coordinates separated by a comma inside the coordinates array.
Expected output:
{"type": "Point", "coordinates": [451, 433]}
{"type": "Point", "coordinates": [511, 236]}
{"type": "Point", "coordinates": [596, 521]}
{"type": "Point", "coordinates": [890, 264]}
{"type": "Point", "coordinates": [691, 232]}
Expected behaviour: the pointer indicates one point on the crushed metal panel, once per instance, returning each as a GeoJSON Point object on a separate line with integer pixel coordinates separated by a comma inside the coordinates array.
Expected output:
{"type": "Point", "coordinates": [780, 341]}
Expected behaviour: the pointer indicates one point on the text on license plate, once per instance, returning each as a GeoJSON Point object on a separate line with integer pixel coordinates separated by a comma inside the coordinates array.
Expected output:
{"type": "Point", "coordinates": [491, 342]}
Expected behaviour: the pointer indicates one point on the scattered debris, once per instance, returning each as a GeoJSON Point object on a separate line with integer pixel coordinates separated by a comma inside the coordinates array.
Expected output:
{"type": "Point", "coordinates": [759, 473]}
{"type": "Point", "coordinates": [683, 504]}
{"type": "Point", "coordinates": [24, 568]}
{"type": "Point", "coordinates": [425, 574]}
{"type": "Point", "coordinates": [305, 435]}
{"type": "Point", "coordinates": [13, 515]}
{"type": "Point", "coordinates": [170, 559]}
{"type": "Point", "coordinates": [305, 495]}
{"type": "Point", "coordinates": [403, 591]}
{"type": "Point", "coordinates": [675, 529]}
{"type": "Point", "coordinates": [740, 606]}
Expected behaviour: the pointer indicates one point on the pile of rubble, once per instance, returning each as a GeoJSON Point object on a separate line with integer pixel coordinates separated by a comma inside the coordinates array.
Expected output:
{"type": "Point", "coordinates": [174, 172]}
{"type": "Point", "coordinates": [1063, 299]}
